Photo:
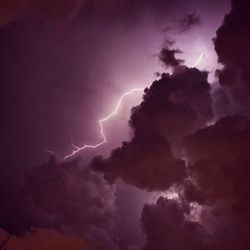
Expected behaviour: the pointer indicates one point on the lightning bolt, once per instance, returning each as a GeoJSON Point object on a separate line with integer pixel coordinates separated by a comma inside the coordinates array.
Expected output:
{"type": "Point", "coordinates": [101, 121]}
{"type": "Point", "coordinates": [77, 149]}
{"type": "Point", "coordinates": [198, 60]}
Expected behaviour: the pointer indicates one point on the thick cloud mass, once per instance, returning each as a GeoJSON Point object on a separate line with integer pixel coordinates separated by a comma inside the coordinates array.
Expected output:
{"type": "Point", "coordinates": [166, 227]}
{"type": "Point", "coordinates": [146, 162]}
{"type": "Point", "coordinates": [167, 56]}
{"type": "Point", "coordinates": [232, 46]}
{"type": "Point", "coordinates": [219, 164]}
{"type": "Point", "coordinates": [60, 196]}
{"type": "Point", "coordinates": [171, 107]}
{"type": "Point", "coordinates": [211, 205]}
{"type": "Point", "coordinates": [174, 105]}
{"type": "Point", "coordinates": [218, 173]}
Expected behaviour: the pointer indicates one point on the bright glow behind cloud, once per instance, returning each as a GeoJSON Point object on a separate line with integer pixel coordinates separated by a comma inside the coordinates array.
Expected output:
{"type": "Point", "coordinates": [101, 121]}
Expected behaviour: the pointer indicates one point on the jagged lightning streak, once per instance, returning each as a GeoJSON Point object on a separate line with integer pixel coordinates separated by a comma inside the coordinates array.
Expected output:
{"type": "Point", "coordinates": [101, 121]}
{"type": "Point", "coordinates": [198, 60]}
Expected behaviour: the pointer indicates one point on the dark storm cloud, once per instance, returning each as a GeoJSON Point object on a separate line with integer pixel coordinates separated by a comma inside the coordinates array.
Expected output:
{"type": "Point", "coordinates": [168, 57]}
{"type": "Point", "coordinates": [63, 197]}
{"type": "Point", "coordinates": [218, 159]}
{"type": "Point", "coordinates": [232, 46]}
{"type": "Point", "coordinates": [218, 180]}
{"type": "Point", "coordinates": [40, 98]}
{"type": "Point", "coordinates": [221, 101]}
{"type": "Point", "coordinates": [166, 227]}
{"type": "Point", "coordinates": [172, 107]}
{"type": "Point", "coordinates": [219, 165]}
{"type": "Point", "coordinates": [146, 162]}
{"type": "Point", "coordinates": [50, 94]}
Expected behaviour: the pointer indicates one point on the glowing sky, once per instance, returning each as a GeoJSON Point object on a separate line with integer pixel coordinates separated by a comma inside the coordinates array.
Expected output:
{"type": "Point", "coordinates": [124, 124]}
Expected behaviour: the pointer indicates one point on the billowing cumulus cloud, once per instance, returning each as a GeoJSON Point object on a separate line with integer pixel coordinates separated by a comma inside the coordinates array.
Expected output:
{"type": "Point", "coordinates": [63, 197]}
{"type": "Point", "coordinates": [219, 165]}
{"type": "Point", "coordinates": [232, 46]}
{"type": "Point", "coordinates": [66, 201]}
{"type": "Point", "coordinates": [172, 107]}
{"type": "Point", "coordinates": [166, 227]}
{"type": "Point", "coordinates": [217, 160]}
{"type": "Point", "coordinates": [218, 170]}
{"type": "Point", "coordinates": [167, 56]}
{"type": "Point", "coordinates": [146, 162]}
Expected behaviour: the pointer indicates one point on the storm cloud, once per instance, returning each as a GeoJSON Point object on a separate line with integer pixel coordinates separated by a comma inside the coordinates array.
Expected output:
{"type": "Point", "coordinates": [166, 227]}
{"type": "Point", "coordinates": [219, 164]}
{"type": "Point", "coordinates": [197, 166]}
{"type": "Point", "coordinates": [231, 45]}
{"type": "Point", "coordinates": [63, 197]}
{"type": "Point", "coordinates": [172, 107]}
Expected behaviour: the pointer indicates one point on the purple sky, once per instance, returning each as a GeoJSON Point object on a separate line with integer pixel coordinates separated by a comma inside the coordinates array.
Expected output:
{"type": "Point", "coordinates": [64, 65]}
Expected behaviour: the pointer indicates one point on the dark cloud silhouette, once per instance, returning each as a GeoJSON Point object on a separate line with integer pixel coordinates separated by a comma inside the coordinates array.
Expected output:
{"type": "Point", "coordinates": [218, 173]}
{"type": "Point", "coordinates": [167, 56]}
{"type": "Point", "coordinates": [175, 105]}
{"type": "Point", "coordinates": [168, 224]}
{"type": "Point", "coordinates": [172, 107]}
{"type": "Point", "coordinates": [231, 45]}
{"type": "Point", "coordinates": [221, 101]}
{"type": "Point", "coordinates": [219, 165]}
{"type": "Point", "coordinates": [217, 159]}
{"type": "Point", "coordinates": [66, 198]}
{"type": "Point", "coordinates": [146, 162]}
{"type": "Point", "coordinates": [166, 227]}
{"type": "Point", "coordinates": [63, 197]}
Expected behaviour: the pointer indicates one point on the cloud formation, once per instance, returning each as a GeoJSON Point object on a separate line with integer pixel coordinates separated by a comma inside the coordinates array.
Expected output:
{"type": "Point", "coordinates": [216, 191]}
{"type": "Point", "coordinates": [172, 107]}
{"type": "Point", "coordinates": [231, 45]}
{"type": "Point", "coordinates": [60, 196]}
{"type": "Point", "coordinates": [212, 182]}
{"type": "Point", "coordinates": [167, 56]}
{"type": "Point", "coordinates": [166, 227]}
{"type": "Point", "coordinates": [146, 162]}
{"type": "Point", "coordinates": [219, 161]}
{"type": "Point", "coordinates": [175, 105]}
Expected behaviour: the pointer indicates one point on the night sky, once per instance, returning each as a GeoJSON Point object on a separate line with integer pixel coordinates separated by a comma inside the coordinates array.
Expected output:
{"type": "Point", "coordinates": [158, 90]}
